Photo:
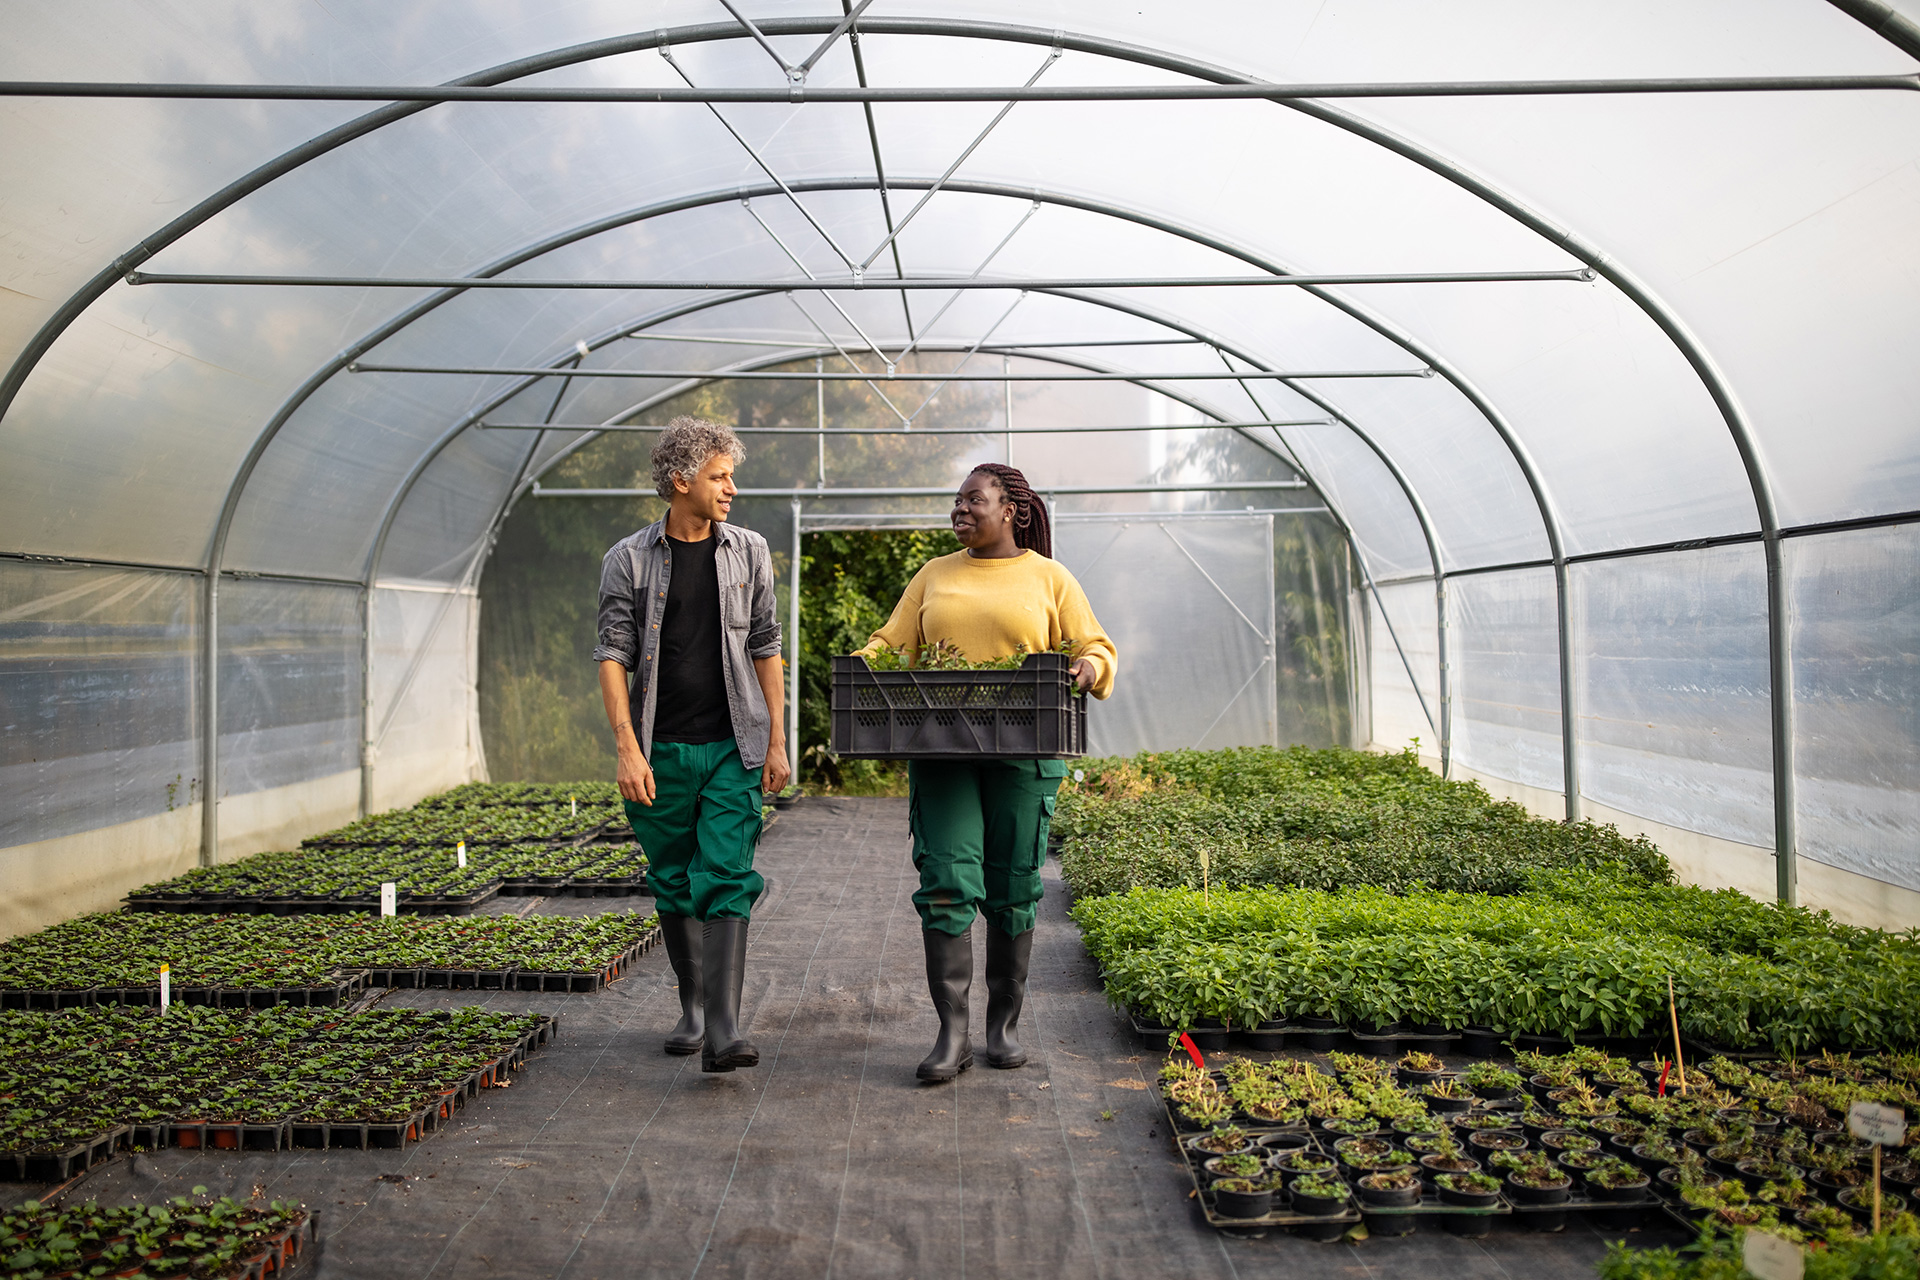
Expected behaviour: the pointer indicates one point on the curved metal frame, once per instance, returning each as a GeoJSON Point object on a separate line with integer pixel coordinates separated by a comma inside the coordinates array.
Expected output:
{"type": "Point", "coordinates": [1731, 411]}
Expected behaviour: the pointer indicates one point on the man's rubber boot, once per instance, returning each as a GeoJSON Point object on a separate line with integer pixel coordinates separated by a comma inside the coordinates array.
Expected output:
{"type": "Point", "coordinates": [723, 968]}
{"type": "Point", "coordinates": [949, 978]}
{"type": "Point", "coordinates": [1007, 957]}
{"type": "Point", "coordinates": [685, 939]}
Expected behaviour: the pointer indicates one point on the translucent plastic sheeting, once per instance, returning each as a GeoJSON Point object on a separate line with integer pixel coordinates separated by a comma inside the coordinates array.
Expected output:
{"type": "Point", "coordinates": [290, 663]}
{"type": "Point", "coordinates": [1672, 696]}
{"type": "Point", "coordinates": [1856, 684]}
{"type": "Point", "coordinates": [1401, 639]}
{"type": "Point", "coordinates": [424, 707]}
{"type": "Point", "coordinates": [98, 688]}
{"type": "Point", "coordinates": [1188, 603]}
{"type": "Point", "coordinates": [1503, 640]}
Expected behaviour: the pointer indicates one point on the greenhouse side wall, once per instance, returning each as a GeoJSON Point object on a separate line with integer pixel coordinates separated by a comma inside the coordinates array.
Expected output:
{"type": "Point", "coordinates": [100, 688]}
{"type": "Point", "coordinates": [1672, 702]}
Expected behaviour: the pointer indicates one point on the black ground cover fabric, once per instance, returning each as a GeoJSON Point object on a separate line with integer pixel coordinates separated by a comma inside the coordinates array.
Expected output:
{"type": "Point", "coordinates": [608, 1159]}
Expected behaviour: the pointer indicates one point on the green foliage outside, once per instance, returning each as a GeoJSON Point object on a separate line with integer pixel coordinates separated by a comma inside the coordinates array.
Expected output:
{"type": "Point", "coordinates": [1325, 819]}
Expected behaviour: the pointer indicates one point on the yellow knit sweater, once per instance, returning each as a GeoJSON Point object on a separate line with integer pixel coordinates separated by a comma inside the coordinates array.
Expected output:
{"type": "Point", "coordinates": [989, 608]}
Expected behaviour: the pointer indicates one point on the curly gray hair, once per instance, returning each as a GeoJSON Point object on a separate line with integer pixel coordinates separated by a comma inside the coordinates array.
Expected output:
{"type": "Point", "coordinates": [685, 446]}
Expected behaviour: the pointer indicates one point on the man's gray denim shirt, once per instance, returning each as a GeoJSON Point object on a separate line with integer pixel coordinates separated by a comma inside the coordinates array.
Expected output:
{"type": "Point", "coordinates": [633, 599]}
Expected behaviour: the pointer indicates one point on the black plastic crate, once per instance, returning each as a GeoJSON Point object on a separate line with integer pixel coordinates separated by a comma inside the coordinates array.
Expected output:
{"type": "Point", "coordinates": [1026, 714]}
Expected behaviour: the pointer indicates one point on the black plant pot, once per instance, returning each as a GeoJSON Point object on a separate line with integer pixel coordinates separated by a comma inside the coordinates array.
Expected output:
{"type": "Point", "coordinates": [1436, 1165]}
{"type": "Point", "coordinates": [1316, 1206]}
{"type": "Point", "coordinates": [1411, 1079]}
{"type": "Point", "coordinates": [1629, 1191]}
{"type": "Point", "coordinates": [1446, 1106]}
{"type": "Point", "coordinates": [1479, 1042]}
{"type": "Point", "coordinates": [1281, 1143]}
{"type": "Point", "coordinates": [1521, 1193]}
{"type": "Point", "coordinates": [1492, 1093]}
{"type": "Point", "coordinates": [1388, 1197]}
{"type": "Point", "coordinates": [1242, 1204]}
{"type": "Point", "coordinates": [1858, 1201]}
{"type": "Point", "coordinates": [1466, 1199]}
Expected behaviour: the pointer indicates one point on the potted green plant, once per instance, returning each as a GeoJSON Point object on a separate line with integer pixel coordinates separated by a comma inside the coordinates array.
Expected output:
{"type": "Point", "coordinates": [1467, 1190]}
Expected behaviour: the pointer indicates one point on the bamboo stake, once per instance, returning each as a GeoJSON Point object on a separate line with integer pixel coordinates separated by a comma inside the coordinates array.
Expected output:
{"type": "Point", "coordinates": [1673, 1012]}
{"type": "Point", "coordinates": [1876, 1188]}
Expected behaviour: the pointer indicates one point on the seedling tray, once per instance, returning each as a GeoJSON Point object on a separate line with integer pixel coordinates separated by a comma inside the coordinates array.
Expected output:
{"type": "Point", "coordinates": [1030, 713]}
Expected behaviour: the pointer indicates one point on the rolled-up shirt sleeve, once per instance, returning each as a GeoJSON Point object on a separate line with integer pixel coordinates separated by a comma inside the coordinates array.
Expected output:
{"type": "Point", "coordinates": [618, 630]}
{"type": "Point", "coordinates": [763, 619]}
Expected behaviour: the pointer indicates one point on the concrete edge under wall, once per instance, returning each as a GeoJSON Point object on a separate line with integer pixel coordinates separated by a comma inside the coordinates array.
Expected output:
{"type": "Point", "coordinates": [1714, 863]}
{"type": "Point", "coordinates": [48, 881]}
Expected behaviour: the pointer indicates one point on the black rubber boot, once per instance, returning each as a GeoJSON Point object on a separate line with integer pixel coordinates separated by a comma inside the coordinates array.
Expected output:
{"type": "Point", "coordinates": [949, 978]}
{"type": "Point", "coordinates": [723, 968]}
{"type": "Point", "coordinates": [1007, 957]}
{"type": "Point", "coordinates": [684, 937]}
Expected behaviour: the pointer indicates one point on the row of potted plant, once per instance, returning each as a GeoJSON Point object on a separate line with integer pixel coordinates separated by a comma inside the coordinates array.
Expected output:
{"type": "Point", "coordinates": [70, 1076]}
{"type": "Point", "coordinates": [484, 824]}
{"type": "Point", "coordinates": [181, 1236]}
{"type": "Point", "coordinates": [486, 795]}
{"type": "Point", "coordinates": [1578, 954]}
{"type": "Point", "coordinates": [293, 876]}
{"type": "Point", "coordinates": [1313, 818]}
{"type": "Point", "coordinates": [125, 950]}
{"type": "Point", "coordinates": [1401, 1131]}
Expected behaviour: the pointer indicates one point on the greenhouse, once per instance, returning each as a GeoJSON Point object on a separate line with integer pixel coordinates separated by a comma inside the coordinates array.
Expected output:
{"type": "Point", "coordinates": [1486, 435]}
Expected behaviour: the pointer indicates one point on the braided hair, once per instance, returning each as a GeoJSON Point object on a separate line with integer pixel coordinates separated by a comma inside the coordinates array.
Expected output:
{"type": "Point", "coordinates": [1032, 531]}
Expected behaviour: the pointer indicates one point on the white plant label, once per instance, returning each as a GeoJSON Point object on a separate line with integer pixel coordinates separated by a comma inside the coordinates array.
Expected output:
{"type": "Point", "coordinates": [1771, 1257]}
{"type": "Point", "coordinates": [1079, 775]}
{"type": "Point", "coordinates": [573, 804]}
{"type": "Point", "coordinates": [387, 904]}
{"type": "Point", "coordinates": [460, 855]}
{"type": "Point", "coordinates": [1886, 1126]}
{"type": "Point", "coordinates": [166, 986]}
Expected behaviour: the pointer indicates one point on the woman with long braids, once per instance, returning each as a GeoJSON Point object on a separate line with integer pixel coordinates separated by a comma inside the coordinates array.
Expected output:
{"type": "Point", "coordinates": [980, 825]}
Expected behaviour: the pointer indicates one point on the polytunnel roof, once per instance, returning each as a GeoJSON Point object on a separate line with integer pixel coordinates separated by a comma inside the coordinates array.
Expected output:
{"type": "Point", "coordinates": [1705, 328]}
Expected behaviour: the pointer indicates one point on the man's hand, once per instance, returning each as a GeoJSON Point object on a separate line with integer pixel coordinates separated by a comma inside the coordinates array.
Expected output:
{"type": "Point", "coordinates": [634, 776]}
{"type": "Point", "coordinates": [1083, 674]}
{"type": "Point", "coordinates": [775, 775]}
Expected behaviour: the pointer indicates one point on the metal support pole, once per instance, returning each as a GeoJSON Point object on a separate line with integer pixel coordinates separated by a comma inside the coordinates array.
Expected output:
{"type": "Point", "coordinates": [802, 375]}
{"type": "Point", "coordinates": [1241, 91]}
{"type": "Point", "coordinates": [855, 284]}
{"type": "Point", "coordinates": [210, 726]}
{"type": "Point", "coordinates": [1006, 387]}
{"type": "Point", "coordinates": [793, 647]}
{"type": "Point", "coordinates": [1786, 865]}
{"type": "Point", "coordinates": [1569, 676]}
{"type": "Point", "coordinates": [820, 420]}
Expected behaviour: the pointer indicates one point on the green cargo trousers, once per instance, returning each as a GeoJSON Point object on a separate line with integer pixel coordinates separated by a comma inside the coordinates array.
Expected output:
{"type": "Point", "coordinates": [701, 831]}
{"type": "Point", "coordinates": [979, 838]}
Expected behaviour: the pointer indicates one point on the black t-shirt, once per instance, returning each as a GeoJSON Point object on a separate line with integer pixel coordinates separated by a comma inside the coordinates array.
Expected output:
{"type": "Point", "coordinates": [691, 705]}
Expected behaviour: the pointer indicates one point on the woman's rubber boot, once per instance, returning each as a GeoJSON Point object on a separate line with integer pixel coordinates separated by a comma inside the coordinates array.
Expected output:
{"type": "Point", "coordinates": [685, 939]}
{"type": "Point", "coordinates": [1007, 957]}
{"type": "Point", "coordinates": [949, 978]}
{"type": "Point", "coordinates": [723, 969]}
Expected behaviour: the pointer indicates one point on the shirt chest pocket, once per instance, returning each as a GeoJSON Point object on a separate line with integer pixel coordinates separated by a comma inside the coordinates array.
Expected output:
{"type": "Point", "coordinates": [735, 601]}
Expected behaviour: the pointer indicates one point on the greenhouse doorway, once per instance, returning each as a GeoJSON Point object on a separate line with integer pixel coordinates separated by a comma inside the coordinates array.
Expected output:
{"type": "Point", "coordinates": [1187, 596]}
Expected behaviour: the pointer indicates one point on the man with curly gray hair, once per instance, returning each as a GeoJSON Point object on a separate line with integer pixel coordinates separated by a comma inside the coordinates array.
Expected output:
{"type": "Point", "coordinates": [690, 671]}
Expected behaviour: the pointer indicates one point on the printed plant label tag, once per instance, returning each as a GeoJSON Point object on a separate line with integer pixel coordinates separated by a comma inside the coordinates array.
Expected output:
{"type": "Point", "coordinates": [1880, 1124]}
{"type": "Point", "coordinates": [387, 904]}
{"type": "Point", "coordinates": [460, 855]}
{"type": "Point", "coordinates": [1771, 1257]}
{"type": "Point", "coordinates": [166, 986]}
